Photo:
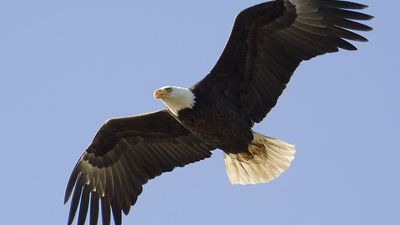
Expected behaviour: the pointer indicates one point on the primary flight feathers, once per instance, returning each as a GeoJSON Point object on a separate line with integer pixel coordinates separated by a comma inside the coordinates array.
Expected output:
{"type": "Point", "coordinates": [267, 43]}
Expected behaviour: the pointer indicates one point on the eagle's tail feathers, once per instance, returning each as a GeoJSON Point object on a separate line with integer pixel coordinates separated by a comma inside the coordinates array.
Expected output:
{"type": "Point", "coordinates": [265, 160]}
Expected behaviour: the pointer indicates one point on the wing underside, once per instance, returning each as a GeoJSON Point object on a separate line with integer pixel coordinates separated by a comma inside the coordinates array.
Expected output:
{"type": "Point", "coordinates": [268, 42]}
{"type": "Point", "coordinates": [124, 155]}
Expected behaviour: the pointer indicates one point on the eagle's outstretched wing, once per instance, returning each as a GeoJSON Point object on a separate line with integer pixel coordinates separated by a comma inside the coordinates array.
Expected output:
{"type": "Point", "coordinates": [268, 42]}
{"type": "Point", "coordinates": [124, 155]}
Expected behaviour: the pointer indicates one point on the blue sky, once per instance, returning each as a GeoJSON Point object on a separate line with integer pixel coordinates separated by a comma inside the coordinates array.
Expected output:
{"type": "Point", "coordinates": [67, 66]}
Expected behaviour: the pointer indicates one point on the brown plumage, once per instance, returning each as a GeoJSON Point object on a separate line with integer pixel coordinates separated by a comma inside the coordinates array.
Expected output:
{"type": "Point", "coordinates": [267, 43]}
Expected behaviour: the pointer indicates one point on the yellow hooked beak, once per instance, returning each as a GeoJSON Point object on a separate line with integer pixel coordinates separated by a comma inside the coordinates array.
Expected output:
{"type": "Point", "coordinates": [159, 93]}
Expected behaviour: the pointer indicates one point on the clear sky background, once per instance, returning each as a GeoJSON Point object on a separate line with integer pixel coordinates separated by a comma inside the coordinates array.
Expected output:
{"type": "Point", "coordinates": [67, 66]}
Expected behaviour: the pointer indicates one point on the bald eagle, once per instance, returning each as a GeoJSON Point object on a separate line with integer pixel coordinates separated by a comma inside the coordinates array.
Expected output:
{"type": "Point", "coordinates": [267, 44]}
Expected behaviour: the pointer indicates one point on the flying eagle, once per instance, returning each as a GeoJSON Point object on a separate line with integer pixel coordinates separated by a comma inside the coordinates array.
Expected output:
{"type": "Point", "coordinates": [267, 43]}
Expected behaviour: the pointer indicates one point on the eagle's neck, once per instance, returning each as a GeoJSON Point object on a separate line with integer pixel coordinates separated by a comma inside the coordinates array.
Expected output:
{"type": "Point", "coordinates": [181, 98]}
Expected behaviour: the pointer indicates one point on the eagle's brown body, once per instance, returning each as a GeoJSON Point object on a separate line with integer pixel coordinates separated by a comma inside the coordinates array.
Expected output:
{"type": "Point", "coordinates": [230, 131]}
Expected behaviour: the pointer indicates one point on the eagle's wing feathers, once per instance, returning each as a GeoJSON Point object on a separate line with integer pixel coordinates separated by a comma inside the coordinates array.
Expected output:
{"type": "Point", "coordinates": [268, 42]}
{"type": "Point", "coordinates": [124, 155]}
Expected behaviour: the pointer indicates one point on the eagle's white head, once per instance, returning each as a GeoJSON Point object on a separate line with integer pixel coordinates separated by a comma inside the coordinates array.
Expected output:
{"type": "Point", "coordinates": [175, 98]}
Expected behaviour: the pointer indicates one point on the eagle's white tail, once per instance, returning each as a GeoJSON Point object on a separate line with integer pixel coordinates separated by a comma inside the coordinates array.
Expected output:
{"type": "Point", "coordinates": [267, 159]}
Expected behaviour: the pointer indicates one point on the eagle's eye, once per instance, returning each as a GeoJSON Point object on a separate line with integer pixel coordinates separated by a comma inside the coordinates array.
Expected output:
{"type": "Point", "coordinates": [169, 90]}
